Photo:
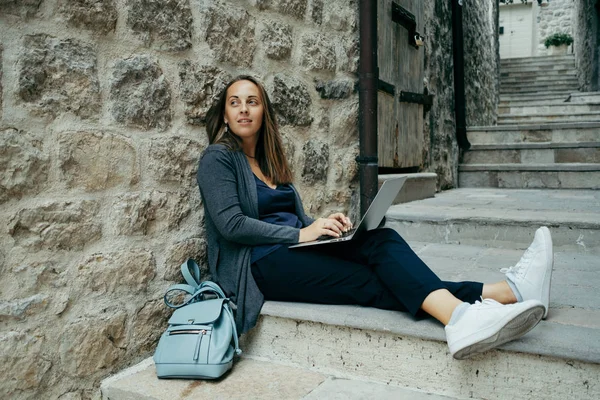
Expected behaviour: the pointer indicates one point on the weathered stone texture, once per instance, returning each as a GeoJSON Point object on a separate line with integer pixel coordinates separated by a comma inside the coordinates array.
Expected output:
{"type": "Point", "coordinates": [343, 124]}
{"type": "Point", "coordinates": [278, 40]}
{"type": "Point", "coordinates": [230, 33]}
{"type": "Point", "coordinates": [23, 8]}
{"type": "Point", "coordinates": [554, 17]}
{"type": "Point", "coordinates": [23, 364]}
{"type": "Point", "coordinates": [140, 94]}
{"type": "Point", "coordinates": [440, 125]}
{"type": "Point", "coordinates": [96, 15]}
{"type": "Point", "coordinates": [291, 100]}
{"type": "Point", "coordinates": [116, 272]}
{"type": "Point", "coordinates": [147, 326]}
{"type": "Point", "coordinates": [199, 88]}
{"type": "Point", "coordinates": [341, 15]}
{"type": "Point", "coordinates": [90, 345]}
{"type": "Point", "coordinates": [294, 8]}
{"type": "Point", "coordinates": [97, 161]}
{"type": "Point", "coordinates": [316, 11]}
{"type": "Point", "coordinates": [179, 252]}
{"type": "Point", "coordinates": [175, 160]}
{"type": "Point", "coordinates": [317, 52]}
{"type": "Point", "coordinates": [316, 161]}
{"type": "Point", "coordinates": [1, 89]}
{"type": "Point", "coordinates": [482, 63]}
{"type": "Point", "coordinates": [22, 308]}
{"type": "Point", "coordinates": [57, 76]}
{"type": "Point", "coordinates": [57, 226]}
{"type": "Point", "coordinates": [586, 38]}
{"type": "Point", "coordinates": [167, 22]}
{"type": "Point", "coordinates": [147, 213]}
{"type": "Point", "coordinates": [23, 165]}
{"type": "Point", "coordinates": [336, 89]}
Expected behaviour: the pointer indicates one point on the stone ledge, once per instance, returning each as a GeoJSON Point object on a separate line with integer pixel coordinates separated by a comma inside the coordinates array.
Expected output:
{"type": "Point", "coordinates": [572, 167]}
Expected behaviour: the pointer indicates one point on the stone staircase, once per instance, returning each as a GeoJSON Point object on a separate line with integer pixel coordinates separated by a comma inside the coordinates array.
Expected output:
{"type": "Point", "coordinates": [548, 133]}
{"type": "Point", "coordinates": [308, 351]}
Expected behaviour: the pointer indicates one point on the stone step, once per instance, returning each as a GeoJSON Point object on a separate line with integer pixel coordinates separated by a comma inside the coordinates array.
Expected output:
{"type": "Point", "coordinates": [539, 79]}
{"type": "Point", "coordinates": [541, 68]}
{"type": "Point", "coordinates": [505, 218]}
{"type": "Point", "coordinates": [541, 64]}
{"type": "Point", "coordinates": [525, 176]}
{"type": "Point", "coordinates": [558, 108]}
{"type": "Point", "coordinates": [529, 60]}
{"type": "Point", "coordinates": [533, 153]}
{"type": "Point", "coordinates": [253, 379]}
{"type": "Point", "coordinates": [576, 98]}
{"type": "Point", "coordinates": [535, 133]}
{"type": "Point", "coordinates": [539, 96]}
{"type": "Point", "coordinates": [515, 119]}
{"type": "Point", "coordinates": [418, 186]}
{"type": "Point", "coordinates": [542, 88]}
{"type": "Point", "coordinates": [550, 74]}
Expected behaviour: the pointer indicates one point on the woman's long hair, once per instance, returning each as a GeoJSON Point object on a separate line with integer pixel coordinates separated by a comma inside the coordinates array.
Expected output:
{"type": "Point", "coordinates": [269, 148]}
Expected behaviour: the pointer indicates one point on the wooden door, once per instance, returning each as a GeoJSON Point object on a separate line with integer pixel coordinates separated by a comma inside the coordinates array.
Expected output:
{"type": "Point", "coordinates": [401, 72]}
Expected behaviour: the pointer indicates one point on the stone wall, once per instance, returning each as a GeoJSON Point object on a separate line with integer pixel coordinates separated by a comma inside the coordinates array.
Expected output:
{"type": "Point", "coordinates": [481, 80]}
{"type": "Point", "coordinates": [586, 44]}
{"type": "Point", "coordinates": [103, 104]}
{"type": "Point", "coordinates": [482, 62]}
{"type": "Point", "coordinates": [555, 16]}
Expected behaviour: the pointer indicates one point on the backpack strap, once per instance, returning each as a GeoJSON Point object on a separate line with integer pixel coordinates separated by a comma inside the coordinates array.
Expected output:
{"type": "Point", "coordinates": [236, 343]}
{"type": "Point", "coordinates": [191, 272]}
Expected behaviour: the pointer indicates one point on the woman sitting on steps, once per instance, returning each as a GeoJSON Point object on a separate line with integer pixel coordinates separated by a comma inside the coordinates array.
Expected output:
{"type": "Point", "coordinates": [253, 213]}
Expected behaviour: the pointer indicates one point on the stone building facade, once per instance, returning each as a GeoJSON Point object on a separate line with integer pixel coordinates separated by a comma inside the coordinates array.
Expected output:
{"type": "Point", "coordinates": [102, 107]}
{"type": "Point", "coordinates": [555, 16]}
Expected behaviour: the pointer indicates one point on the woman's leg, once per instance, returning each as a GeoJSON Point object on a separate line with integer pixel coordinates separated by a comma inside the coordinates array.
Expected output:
{"type": "Point", "coordinates": [309, 275]}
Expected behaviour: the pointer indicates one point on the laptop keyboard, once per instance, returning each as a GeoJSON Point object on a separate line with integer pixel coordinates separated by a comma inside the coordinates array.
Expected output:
{"type": "Point", "coordinates": [344, 234]}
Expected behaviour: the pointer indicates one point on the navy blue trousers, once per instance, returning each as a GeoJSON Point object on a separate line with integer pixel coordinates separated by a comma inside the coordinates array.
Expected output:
{"type": "Point", "coordinates": [378, 270]}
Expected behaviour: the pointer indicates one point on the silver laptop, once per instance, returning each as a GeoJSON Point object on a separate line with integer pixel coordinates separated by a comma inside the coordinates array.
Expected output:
{"type": "Point", "coordinates": [372, 218]}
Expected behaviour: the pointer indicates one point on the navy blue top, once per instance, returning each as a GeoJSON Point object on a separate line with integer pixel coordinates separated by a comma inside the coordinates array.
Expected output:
{"type": "Point", "coordinates": [275, 206]}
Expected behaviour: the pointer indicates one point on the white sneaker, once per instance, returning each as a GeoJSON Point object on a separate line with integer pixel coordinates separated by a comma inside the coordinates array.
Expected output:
{"type": "Point", "coordinates": [488, 324]}
{"type": "Point", "coordinates": [532, 274]}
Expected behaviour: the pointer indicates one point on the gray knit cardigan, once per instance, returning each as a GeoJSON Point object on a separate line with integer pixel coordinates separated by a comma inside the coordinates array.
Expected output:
{"type": "Point", "coordinates": [232, 226]}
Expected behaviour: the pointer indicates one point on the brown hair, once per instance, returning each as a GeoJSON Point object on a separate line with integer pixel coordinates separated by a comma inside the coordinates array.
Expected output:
{"type": "Point", "coordinates": [269, 148]}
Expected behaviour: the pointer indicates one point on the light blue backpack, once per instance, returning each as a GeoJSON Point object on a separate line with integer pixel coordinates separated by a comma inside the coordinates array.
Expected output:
{"type": "Point", "coordinates": [201, 339]}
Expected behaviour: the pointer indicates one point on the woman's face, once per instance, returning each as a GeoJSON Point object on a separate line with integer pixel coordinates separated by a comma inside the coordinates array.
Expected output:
{"type": "Point", "coordinates": [244, 109]}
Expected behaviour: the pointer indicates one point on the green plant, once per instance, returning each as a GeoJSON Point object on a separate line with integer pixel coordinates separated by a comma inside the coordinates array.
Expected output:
{"type": "Point", "coordinates": [558, 39]}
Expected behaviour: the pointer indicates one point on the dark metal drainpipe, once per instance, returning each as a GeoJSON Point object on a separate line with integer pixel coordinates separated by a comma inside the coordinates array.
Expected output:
{"type": "Point", "coordinates": [459, 75]}
{"type": "Point", "coordinates": [368, 77]}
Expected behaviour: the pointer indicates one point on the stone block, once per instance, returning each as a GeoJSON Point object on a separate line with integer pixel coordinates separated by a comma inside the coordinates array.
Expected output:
{"type": "Point", "coordinates": [23, 365]}
{"type": "Point", "coordinates": [343, 127]}
{"type": "Point", "coordinates": [293, 8]}
{"type": "Point", "coordinates": [230, 34]}
{"type": "Point", "coordinates": [199, 87]}
{"type": "Point", "coordinates": [166, 22]}
{"type": "Point", "coordinates": [22, 8]}
{"type": "Point", "coordinates": [148, 324]}
{"type": "Point", "coordinates": [345, 168]}
{"type": "Point", "coordinates": [318, 53]}
{"type": "Point", "coordinates": [1, 88]}
{"type": "Point", "coordinates": [95, 15]}
{"type": "Point", "coordinates": [179, 252]}
{"type": "Point", "coordinates": [97, 161]}
{"type": "Point", "coordinates": [140, 94]}
{"type": "Point", "coordinates": [92, 344]}
{"type": "Point", "coordinates": [175, 160]}
{"type": "Point", "coordinates": [341, 15]}
{"type": "Point", "coordinates": [580, 155]}
{"type": "Point", "coordinates": [291, 100]}
{"type": "Point", "coordinates": [123, 272]}
{"type": "Point", "coordinates": [57, 226]}
{"type": "Point", "coordinates": [536, 156]}
{"type": "Point", "coordinates": [58, 76]}
{"type": "Point", "coordinates": [316, 11]}
{"type": "Point", "coordinates": [277, 39]}
{"type": "Point", "coordinates": [336, 89]}
{"type": "Point", "coordinates": [23, 164]}
{"type": "Point", "coordinates": [22, 308]}
{"type": "Point", "coordinates": [316, 162]}
{"type": "Point", "coordinates": [351, 50]}
{"type": "Point", "coordinates": [145, 213]}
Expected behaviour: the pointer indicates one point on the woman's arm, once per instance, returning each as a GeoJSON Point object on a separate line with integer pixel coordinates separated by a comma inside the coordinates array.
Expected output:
{"type": "Point", "coordinates": [218, 184]}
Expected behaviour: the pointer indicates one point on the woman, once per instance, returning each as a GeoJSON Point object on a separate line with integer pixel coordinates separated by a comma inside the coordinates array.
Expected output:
{"type": "Point", "coordinates": [253, 213]}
